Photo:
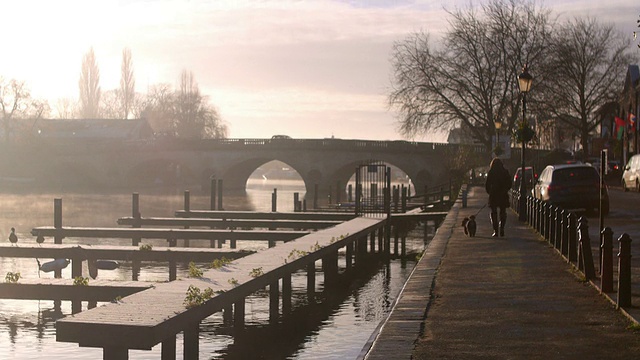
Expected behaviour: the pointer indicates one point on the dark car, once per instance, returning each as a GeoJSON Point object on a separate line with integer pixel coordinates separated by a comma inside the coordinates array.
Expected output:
{"type": "Point", "coordinates": [571, 186]}
{"type": "Point", "coordinates": [530, 177]}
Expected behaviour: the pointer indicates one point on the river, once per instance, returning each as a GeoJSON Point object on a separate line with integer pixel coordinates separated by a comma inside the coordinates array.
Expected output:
{"type": "Point", "coordinates": [336, 329]}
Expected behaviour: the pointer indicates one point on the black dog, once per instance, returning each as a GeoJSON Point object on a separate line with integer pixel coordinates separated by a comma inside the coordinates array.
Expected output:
{"type": "Point", "coordinates": [469, 225]}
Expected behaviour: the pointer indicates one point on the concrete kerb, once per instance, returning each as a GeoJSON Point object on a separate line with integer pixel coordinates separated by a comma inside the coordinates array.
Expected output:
{"type": "Point", "coordinates": [395, 337]}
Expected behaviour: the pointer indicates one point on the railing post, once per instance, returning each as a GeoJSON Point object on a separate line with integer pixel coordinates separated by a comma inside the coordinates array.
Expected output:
{"type": "Point", "coordinates": [585, 258]}
{"type": "Point", "coordinates": [564, 239]}
{"type": "Point", "coordinates": [606, 264]}
{"type": "Point", "coordinates": [552, 224]}
{"type": "Point", "coordinates": [573, 251]}
{"type": "Point", "coordinates": [558, 238]}
{"type": "Point", "coordinates": [624, 271]}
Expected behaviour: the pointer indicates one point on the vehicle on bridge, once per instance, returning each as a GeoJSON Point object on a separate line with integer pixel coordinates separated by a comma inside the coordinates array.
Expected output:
{"type": "Point", "coordinates": [571, 186]}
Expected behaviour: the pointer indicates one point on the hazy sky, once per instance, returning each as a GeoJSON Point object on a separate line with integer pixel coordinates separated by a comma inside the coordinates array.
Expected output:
{"type": "Point", "coordinates": [306, 68]}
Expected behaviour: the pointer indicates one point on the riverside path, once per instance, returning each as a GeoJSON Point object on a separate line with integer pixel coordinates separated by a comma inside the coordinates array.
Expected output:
{"type": "Point", "coordinates": [511, 297]}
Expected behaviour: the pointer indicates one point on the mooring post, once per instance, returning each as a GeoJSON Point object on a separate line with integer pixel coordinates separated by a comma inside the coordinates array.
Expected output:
{"type": "Point", "coordinates": [227, 314]}
{"type": "Point", "coordinates": [286, 294]}
{"type": "Point", "coordinates": [338, 193]}
{"type": "Point", "coordinates": [274, 200]}
{"type": "Point", "coordinates": [296, 200]}
{"type": "Point", "coordinates": [212, 194]}
{"type": "Point", "coordinates": [274, 301]}
{"type": "Point", "coordinates": [624, 271]}
{"type": "Point", "coordinates": [311, 282]}
{"type": "Point", "coordinates": [350, 193]}
{"type": "Point", "coordinates": [372, 242]}
{"type": "Point", "coordinates": [315, 196]}
{"type": "Point", "coordinates": [349, 256]}
{"type": "Point", "coordinates": [426, 197]}
{"type": "Point", "coordinates": [396, 235]}
{"type": "Point", "coordinates": [381, 249]}
{"type": "Point", "coordinates": [172, 262]}
{"type": "Point", "coordinates": [606, 262]}
{"type": "Point", "coordinates": [57, 223]}
{"type": "Point", "coordinates": [585, 262]}
{"type": "Point", "coordinates": [187, 209]}
{"type": "Point", "coordinates": [220, 195]}
{"type": "Point", "coordinates": [404, 199]}
{"type": "Point", "coordinates": [238, 316]}
{"type": "Point", "coordinates": [191, 345]}
{"type": "Point", "coordinates": [168, 348]}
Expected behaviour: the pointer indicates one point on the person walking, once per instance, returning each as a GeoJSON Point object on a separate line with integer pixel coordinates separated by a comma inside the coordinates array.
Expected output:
{"type": "Point", "coordinates": [497, 185]}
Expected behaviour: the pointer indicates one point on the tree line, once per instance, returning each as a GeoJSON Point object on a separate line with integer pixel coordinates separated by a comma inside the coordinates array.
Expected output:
{"type": "Point", "coordinates": [181, 112]}
{"type": "Point", "coordinates": [469, 79]}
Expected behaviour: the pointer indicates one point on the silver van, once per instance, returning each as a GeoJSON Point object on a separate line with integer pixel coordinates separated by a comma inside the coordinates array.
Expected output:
{"type": "Point", "coordinates": [631, 174]}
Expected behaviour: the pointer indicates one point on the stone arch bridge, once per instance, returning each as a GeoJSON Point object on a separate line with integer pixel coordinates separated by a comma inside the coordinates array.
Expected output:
{"type": "Point", "coordinates": [325, 163]}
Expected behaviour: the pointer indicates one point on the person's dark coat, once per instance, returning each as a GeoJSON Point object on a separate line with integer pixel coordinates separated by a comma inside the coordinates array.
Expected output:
{"type": "Point", "coordinates": [498, 184]}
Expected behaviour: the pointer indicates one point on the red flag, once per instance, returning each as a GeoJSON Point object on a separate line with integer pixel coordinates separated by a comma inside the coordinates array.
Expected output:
{"type": "Point", "coordinates": [620, 123]}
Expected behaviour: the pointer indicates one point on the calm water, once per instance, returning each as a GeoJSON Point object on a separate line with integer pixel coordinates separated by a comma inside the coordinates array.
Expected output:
{"type": "Point", "coordinates": [336, 329]}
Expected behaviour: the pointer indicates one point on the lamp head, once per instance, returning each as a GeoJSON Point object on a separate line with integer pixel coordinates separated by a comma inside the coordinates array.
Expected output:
{"type": "Point", "coordinates": [524, 80]}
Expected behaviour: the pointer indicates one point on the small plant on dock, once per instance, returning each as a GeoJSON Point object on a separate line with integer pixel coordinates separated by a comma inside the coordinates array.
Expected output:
{"type": "Point", "coordinates": [256, 272]}
{"type": "Point", "coordinates": [197, 297]}
{"type": "Point", "coordinates": [12, 277]}
{"type": "Point", "coordinates": [233, 282]}
{"type": "Point", "coordinates": [146, 247]}
{"type": "Point", "coordinates": [194, 272]}
{"type": "Point", "coordinates": [635, 327]}
{"type": "Point", "coordinates": [80, 281]}
{"type": "Point", "coordinates": [316, 247]}
{"type": "Point", "coordinates": [218, 263]}
{"type": "Point", "coordinates": [296, 254]}
{"type": "Point", "coordinates": [117, 299]}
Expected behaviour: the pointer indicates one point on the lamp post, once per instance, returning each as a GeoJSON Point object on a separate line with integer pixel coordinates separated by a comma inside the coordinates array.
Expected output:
{"type": "Point", "coordinates": [524, 81]}
{"type": "Point", "coordinates": [498, 124]}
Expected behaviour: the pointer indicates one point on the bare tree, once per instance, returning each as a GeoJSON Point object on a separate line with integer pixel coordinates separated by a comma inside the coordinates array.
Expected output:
{"type": "Point", "coordinates": [127, 84]}
{"type": "Point", "coordinates": [110, 104]}
{"type": "Point", "coordinates": [587, 64]}
{"type": "Point", "coordinates": [471, 79]}
{"type": "Point", "coordinates": [194, 116]}
{"type": "Point", "coordinates": [66, 108]}
{"type": "Point", "coordinates": [158, 108]}
{"type": "Point", "coordinates": [18, 108]}
{"type": "Point", "coordinates": [89, 86]}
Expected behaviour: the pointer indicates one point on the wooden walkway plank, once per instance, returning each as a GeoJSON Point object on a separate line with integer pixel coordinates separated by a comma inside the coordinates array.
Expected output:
{"type": "Point", "coordinates": [162, 233]}
{"type": "Point", "coordinates": [138, 323]}
{"type": "Point", "coordinates": [227, 223]}
{"type": "Point", "coordinates": [214, 214]}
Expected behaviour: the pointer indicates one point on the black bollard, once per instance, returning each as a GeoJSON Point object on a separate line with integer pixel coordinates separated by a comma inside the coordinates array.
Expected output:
{"type": "Point", "coordinates": [624, 271]}
{"type": "Point", "coordinates": [585, 257]}
{"type": "Point", "coordinates": [573, 251]}
{"type": "Point", "coordinates": [606, 262]}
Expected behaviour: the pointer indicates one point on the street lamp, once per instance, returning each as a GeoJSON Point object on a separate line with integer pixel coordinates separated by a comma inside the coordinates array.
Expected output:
{"type": "Point", "coordinates": [498, 124]}
{"type": "Point", "coordinates": [524, 81]}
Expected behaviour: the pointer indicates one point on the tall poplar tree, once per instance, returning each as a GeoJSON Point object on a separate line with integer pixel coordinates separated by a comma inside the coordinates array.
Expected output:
{"type": "Point", "coordinates": [89, 85]}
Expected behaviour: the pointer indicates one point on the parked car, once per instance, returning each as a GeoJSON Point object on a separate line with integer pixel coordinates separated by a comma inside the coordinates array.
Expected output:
{"type": "Point", "coordinates": [530, 177]}
{"type": "Point", "coordinates": [571, 186]}
{"type": "Point", "coordinates": [613, 170]}
{"type": "Point", "coordinates": [631, 175]}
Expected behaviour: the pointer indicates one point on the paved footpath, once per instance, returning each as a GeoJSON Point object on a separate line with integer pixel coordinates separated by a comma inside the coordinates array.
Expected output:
{"type": "Point", "coordinates": [512, 297]}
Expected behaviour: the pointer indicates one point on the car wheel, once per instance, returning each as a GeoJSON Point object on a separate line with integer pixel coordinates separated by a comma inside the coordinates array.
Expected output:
{"type": "Point", "coordinates": [624, 186]}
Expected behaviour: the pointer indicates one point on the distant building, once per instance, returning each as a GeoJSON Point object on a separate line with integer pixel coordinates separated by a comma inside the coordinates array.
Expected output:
{"type": "Point", "coordinates": [93, 129]}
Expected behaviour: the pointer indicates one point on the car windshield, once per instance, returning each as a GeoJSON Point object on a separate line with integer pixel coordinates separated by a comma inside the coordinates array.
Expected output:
{"type": "Point", "coordinates": [574, 175]}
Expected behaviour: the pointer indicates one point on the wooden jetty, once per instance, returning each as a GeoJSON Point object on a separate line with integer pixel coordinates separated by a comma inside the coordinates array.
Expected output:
{"type": "Point", "coordinates": [301, 216]}
{"type": "Point", "coordinates": [114, 252]}
{"type": "Point", "coordinates": [168, 234]}
{"type": "Point", "coordinates": [133, 324]}
{"type": "Point", "coordinates": [228, 223]}
{"type": "Point", "coordinates": [65, 289]}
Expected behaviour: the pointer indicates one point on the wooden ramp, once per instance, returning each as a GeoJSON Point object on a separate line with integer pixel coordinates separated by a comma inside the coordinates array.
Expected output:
{"type": "Point", "coordinates": [147, 318]}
